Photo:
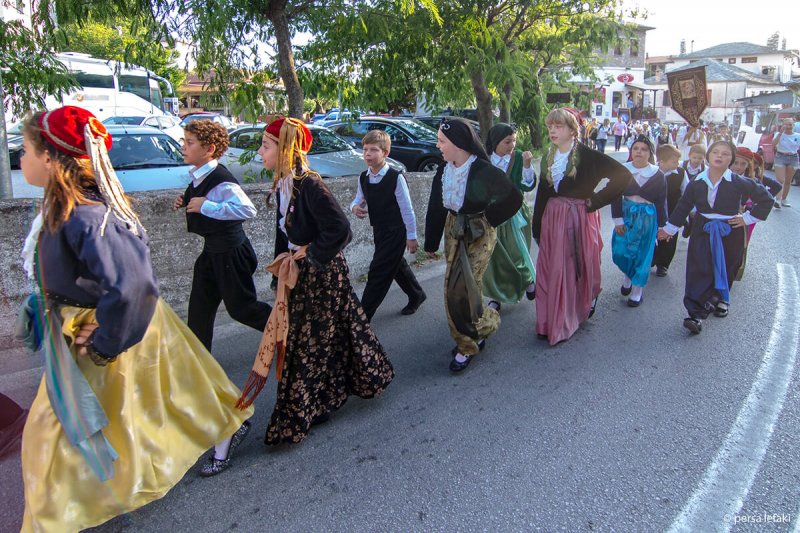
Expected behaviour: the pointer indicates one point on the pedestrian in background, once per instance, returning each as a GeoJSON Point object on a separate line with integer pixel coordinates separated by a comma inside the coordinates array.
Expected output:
{"type": "Point", "coordinates": [786, 143]}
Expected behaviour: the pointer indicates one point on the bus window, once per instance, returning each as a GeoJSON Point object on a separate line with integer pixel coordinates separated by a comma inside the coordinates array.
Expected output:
{"type": "Point", "coordinates": [96, 81]}
{"type": "Point", "coordinates": [155, 94]}
{"type": "Point", "coordinates": [137, 85]}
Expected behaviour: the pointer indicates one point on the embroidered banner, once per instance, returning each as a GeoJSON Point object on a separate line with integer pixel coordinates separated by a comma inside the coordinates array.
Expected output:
{"type": "Point", "coordinates": [687, 90]}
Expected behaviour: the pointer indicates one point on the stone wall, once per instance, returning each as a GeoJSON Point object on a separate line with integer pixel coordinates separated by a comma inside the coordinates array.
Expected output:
{"type": "Point", "coordinates": [174, 250]}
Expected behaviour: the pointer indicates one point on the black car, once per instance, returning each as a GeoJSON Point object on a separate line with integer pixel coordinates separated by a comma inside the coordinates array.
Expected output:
{"type": "Point", "coordinates": [413, 143]}
{"type": "Point", "coordinates": [435, 122]}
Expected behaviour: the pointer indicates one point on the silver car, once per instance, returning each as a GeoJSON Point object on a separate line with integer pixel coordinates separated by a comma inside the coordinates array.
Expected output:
{"type": "Point", "coordinates": [330, 155]}
{"type": "Point", "coordinates": [146, 159]}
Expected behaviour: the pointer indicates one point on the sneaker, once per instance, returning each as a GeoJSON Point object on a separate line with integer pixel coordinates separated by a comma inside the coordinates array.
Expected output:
{"type": "Point", "coordinates": [784, 203]}
{"type": "Point", "coordinates": [777, 204]}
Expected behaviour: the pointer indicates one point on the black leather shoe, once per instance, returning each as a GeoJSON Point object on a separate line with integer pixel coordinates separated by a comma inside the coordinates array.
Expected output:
{"type": "Point", "coordinates": [530, 295]}
{"type": "Point", "coordinates": [594, 307]}
{"type": "Point", "coordinates": [661, 271]}
{"type": "Point", "coordinates": [635, 303]}
{"type": "Point", "coordinates": [412, 307]}
{"type": "Point", "coordinates": [541, 337]}
{"type": "Point", "coordinates": [721, 310]}
{"type": "Point", "coordinates": [494, 304]}
{"type": "Point", "coordinates": [693, 324]}
{"type": "Point", "coordinates": [625, 290]}
{"type": "Point", "coordinates": [455, 366]}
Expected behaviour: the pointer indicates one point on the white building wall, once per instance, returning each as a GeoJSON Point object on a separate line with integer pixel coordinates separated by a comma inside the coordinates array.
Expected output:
{"type": "Point", "coordinates": [16, 10]}
{"type": "Point", "coordinates": [615, 86]}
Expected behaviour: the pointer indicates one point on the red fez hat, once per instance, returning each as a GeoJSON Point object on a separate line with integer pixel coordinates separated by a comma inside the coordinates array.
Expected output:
{"type": "Point", "coordinates": [575, 113]}
{"type": "Point", "coordinates": [64, 129]}
{"type": "Point", "coordinates": [273, 131]}
{"type": "Point", "coordinates": [759, 160]}
{"type": "Point", "coordinates": [745, 152]}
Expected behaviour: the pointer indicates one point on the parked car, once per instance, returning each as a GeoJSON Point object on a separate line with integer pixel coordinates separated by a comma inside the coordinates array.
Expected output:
{"type": "Point", "coordinates": [330, 155]}
{"type": "Point", "coordinates": [166, 123]}
{"type": "Point", "coordinates": [146, 159]}
{"type": "Point", "coordinates": [759, 138]}
{"type": "Point", "coordinates": [14, 137]}
{"type": "Point", "coordinates": [413, 143]}
{"type": "Point", "coordinates": [214, 117]}
{"type": "Point", "coordinates": [435, 122]}
{"type": "Point", "coordinates": [334, 116]}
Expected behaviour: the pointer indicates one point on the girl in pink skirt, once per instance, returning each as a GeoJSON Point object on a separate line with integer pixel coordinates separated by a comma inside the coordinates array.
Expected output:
{"type": "Point", "coordinates": [566, 225]}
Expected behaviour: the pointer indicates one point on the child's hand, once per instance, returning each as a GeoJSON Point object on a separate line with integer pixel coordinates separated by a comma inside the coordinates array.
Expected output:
{"type": "Point", "coordinates": [620, 229]}
{"type": "Point", "coordinates": [663, 235]}
{"type": "Point", "coordinates": [527, 157]}
{"type": "Point", "coordinates": [195, 204]}
{"type": "Point", "coordinates": [178, 202]}
{"type": "Point", "coordinates": [412, 246]}
{"type": "Point", "coordinates": [737, 221]}
{"type": "Point", "coordinates": [82, 338]}
{"type": "Point", "coordinates": [360, 212]}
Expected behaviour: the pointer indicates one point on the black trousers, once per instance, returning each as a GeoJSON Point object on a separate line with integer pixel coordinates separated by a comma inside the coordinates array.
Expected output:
{"type": "Point", "coordinates": [700, 296]}
{"type": "Point", "coordinates": [617, 142]}
{"type": "Point", "coordinates": [388, 264]}
{"type": "Point", "coordinates": [225, 277]}
{"type": "Point", "coordinates": [665, 252]}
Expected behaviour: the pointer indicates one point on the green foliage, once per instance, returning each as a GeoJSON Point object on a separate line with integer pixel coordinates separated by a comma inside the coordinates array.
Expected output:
{"type": "Point", "coordinates": [30, 69]}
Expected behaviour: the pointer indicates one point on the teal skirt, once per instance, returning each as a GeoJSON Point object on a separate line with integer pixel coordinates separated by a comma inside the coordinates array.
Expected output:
{"type": "Point", "coordinates": [511, 269]}
{"type": "Point", "coordinates": [633, 252]}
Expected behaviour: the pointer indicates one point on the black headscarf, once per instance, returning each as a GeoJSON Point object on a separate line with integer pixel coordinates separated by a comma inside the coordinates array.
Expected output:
{"type": "Point", "coordinates": [460, 133]}
{"type": "Point", "coordinates": [646, 140]}
{"type": "Point", "coordinates": [499, 131]}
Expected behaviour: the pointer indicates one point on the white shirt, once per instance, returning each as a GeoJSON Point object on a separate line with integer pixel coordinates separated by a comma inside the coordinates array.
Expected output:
{"type": "Point", "coordinates": [560, 166]}
{"type": "Point", "coordinates": [285, 190]}
{"type": "Point", "coordinates": [789, 143]}
{"type": "Point", "coordinates": [502, 162]}
{"type": "Point", "coordinates": [226, 201]}
{"type": "Point", "coordinates": [454, 184]}
{"type": "Point", "coordinates": [713, 189]}
{"type": "Point", "coordinates": [402, 195]}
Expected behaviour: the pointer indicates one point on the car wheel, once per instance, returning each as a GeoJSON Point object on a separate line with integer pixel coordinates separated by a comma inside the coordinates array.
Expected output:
{"type": "Point", "coordinates": [429, 165]}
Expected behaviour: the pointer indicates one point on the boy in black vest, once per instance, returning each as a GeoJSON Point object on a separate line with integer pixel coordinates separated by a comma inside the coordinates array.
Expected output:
{"type": "Point", "coordinates": [216, 206]}
{"type": "Point", "coordinates": [383, 195]}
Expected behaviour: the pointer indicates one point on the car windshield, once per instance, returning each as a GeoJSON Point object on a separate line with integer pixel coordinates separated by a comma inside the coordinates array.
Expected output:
{"type": "Point", "coordinates": [418, 130]}
{"type": "Point", "coordinates": [212, 118]}
{"type": "Point", "coordinates": [145, 151]}
{"type": "Point", "coordinates": [16, 129]}
{"type": "Point", "coordinates": [325, 141]}
{"type": "Point", "coordinates": [123, 121]}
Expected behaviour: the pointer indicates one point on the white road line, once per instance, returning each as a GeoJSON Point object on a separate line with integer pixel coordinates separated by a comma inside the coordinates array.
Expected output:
{"type": "Point", "coordinates": [724, 487]}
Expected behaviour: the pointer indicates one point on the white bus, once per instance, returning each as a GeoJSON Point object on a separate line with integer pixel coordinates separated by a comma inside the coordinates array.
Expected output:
{"type": "Point", "coordinates": [108, 89]}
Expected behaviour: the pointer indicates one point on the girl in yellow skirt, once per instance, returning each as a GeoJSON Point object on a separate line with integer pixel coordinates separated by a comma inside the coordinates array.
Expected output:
{"type": "Point", "coordinates": [130, 398]}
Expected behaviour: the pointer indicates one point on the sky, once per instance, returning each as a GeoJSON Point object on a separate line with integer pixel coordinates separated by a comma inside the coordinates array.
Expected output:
{"type": "Point", "coordinates": [712, 22]}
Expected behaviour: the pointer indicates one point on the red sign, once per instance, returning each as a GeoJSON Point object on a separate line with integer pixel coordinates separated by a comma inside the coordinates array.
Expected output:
{"type": "Point", "coordinates": [625, 78]}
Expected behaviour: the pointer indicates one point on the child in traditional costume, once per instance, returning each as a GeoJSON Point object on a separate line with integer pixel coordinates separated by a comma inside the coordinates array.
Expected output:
{"type": "Point", "coordinates": [744, 165]}
{"type": "Point", "coordinates": [216, 206]}
{"type": "Point", "coordinates": [716, 247]}
{"type": "Point", "coordinates": [317, 332]}
{"type": "Point", "coordinates": [566, 224]}
{"type": "Point", "coordinates": [638, 214]}
{"type": "Point", "coordinates": [130, 397]}
{"type": "Point", "coordinates": [382, 195]}
{"type": "Point", "coordinates": [469, 199]}
{"type": "Point", "coordinates": [511, 274]}
{"type": "Point", "coordinates": [668, 159]}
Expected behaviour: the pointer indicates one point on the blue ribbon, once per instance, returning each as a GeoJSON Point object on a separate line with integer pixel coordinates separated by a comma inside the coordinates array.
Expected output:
{"type": "Point", "coordinates": [717, 229]}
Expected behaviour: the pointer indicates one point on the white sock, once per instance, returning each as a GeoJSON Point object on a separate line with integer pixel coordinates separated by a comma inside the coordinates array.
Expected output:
{"type": "Point", "coordinates": [461, 358]}
{"type": "Point", "coordinates": [636, 293]}
{"type": "Point", "coordinates": [627, 282]}
{"type": "Point", "coordinates": [494, 304]}
{"type": "Point", "coordinates": [531, 287]}
{"type": "Point", "coordinates": [221, 449]}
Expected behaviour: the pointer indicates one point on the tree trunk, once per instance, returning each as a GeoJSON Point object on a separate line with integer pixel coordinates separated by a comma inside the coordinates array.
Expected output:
{"type": "Point", "coordinates": [505, 104]}
{"type": "Point", "coordinates": [484, 100]}
{"type": "Point", "coordinates": [283, 37]}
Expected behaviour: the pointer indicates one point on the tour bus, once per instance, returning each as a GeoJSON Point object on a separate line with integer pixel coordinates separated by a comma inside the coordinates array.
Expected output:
{"type": "Point", "coordinates": [109, 89]}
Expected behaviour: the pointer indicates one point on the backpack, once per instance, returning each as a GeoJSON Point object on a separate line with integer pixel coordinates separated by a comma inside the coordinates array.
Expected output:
{"type": "Point", "coordinates": [593, 135]}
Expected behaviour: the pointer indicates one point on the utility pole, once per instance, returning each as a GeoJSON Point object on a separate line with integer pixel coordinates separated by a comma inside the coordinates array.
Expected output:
{"type": "Point", "coordinates": [5, 161]}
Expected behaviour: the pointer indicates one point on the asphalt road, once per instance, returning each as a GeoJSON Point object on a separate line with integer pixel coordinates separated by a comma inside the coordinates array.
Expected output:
{"type": "Point", "coordinates": [631, 425]}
